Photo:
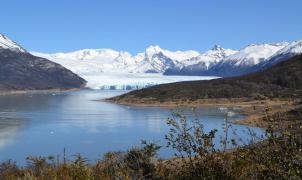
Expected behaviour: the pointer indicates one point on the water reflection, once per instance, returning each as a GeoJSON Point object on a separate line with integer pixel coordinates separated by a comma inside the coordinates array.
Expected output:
{"type": "Point", "coordinates": [10, 128]}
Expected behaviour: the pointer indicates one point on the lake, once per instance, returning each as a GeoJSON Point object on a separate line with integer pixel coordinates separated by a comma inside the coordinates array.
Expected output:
{"type": "Point", "coordinates": [46, 123]}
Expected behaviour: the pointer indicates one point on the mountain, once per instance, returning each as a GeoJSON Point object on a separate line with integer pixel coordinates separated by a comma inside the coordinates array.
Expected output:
{"type": "Point", "coordinates": [200, 64]}
{"type": "Point", "coordinates": [291, 50]}
{"type": "Point", "coordinates": [227, 63]}
{"type": "Point", "coordinates": [157, 60]}
{"type": "Point", "coordinates": [241, 62]}
{"type": "Point", "coordinates": [283, 80]}
{"type": "Point", "coordinates": [20, 70]}
{"type": "Point", "coordinates": [175, 55]}
{"type": "Point", "coordinates": [155, 63]}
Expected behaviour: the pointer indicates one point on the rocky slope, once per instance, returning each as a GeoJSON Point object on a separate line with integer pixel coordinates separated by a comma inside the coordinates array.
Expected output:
{"type": "Point", "coordinates": [20, 70]}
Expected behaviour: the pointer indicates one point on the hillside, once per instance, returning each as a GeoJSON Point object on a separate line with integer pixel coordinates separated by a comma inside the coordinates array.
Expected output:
{"type": "Point", "coordinates": [281, 80]}
{"type": "Point", "coordinates": [20, 70]}
{"type": "Point", "coordinates": [23, 71]}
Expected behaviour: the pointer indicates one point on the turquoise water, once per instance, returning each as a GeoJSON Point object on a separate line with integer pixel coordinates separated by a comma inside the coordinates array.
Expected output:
{"type": "Point", "coordinates": [46, 123]}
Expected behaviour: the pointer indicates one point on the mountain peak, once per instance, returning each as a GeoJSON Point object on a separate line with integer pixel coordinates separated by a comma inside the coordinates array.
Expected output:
{"type": "Point", "coordinates": [153, 49]}
{"type": "Point", "coordinates": [7, 43]}
{"type": "Point", "coordinates": [216, 47]}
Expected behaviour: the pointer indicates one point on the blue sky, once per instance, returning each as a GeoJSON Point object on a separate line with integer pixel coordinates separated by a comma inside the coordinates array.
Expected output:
{"type": "Point", "coordinates": [133, 25]}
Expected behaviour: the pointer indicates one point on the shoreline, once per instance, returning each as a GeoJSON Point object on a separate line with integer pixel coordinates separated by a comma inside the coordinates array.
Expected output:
{"type": "Point", "coordinates": [254, 110]}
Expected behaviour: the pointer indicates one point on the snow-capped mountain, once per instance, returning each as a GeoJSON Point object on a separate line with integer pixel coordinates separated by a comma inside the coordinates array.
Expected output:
{"type": "Point", "coordinates": [253, 54]}
{"type": "Point", "coordinates": [156, 63]}
{"type": "Point", "coordinates": [241, 62]}
{"type": "Point", "coordinates": [209, 57]}
{"type": "Point", "coordinates": [175, 55]}
{"type": "Point", "coordinates": [157, 60]}
{"type": "Point", "coordinates": [6, 43]}
{"type": "Point", "coordinates": [202, 63]}
{"type": "Point", "coordinates": [292, 49]}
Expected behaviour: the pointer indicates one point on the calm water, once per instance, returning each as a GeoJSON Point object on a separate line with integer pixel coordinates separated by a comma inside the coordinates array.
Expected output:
{"type": "Point", "coordinates": [45, 124]}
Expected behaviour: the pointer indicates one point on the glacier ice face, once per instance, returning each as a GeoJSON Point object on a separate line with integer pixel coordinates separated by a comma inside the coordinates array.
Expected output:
{"type": "Point", "coordinates": [131, 81]}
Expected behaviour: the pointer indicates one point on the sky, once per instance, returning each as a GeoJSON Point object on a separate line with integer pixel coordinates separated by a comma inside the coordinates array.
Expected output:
{"type": "Point", "coordinates": [133, 25]}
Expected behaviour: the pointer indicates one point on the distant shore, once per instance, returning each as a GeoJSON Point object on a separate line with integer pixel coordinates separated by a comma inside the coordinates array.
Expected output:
{"type": "Point", "coordinates": [12, 92]}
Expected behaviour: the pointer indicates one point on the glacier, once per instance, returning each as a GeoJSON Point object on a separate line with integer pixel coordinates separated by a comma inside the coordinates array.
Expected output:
{"type": "Point", "coordinates": [133, 81]}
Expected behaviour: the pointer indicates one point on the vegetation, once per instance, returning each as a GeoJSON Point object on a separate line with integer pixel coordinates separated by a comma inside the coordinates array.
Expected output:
{"type": "Point", "coordinates": [279, 156]}
{"type": "Point", "coordinates": [283, 80]}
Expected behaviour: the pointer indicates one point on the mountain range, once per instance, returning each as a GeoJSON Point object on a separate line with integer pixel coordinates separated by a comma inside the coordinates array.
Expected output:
{"type": "Point", "coordinates": [217, 61]}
